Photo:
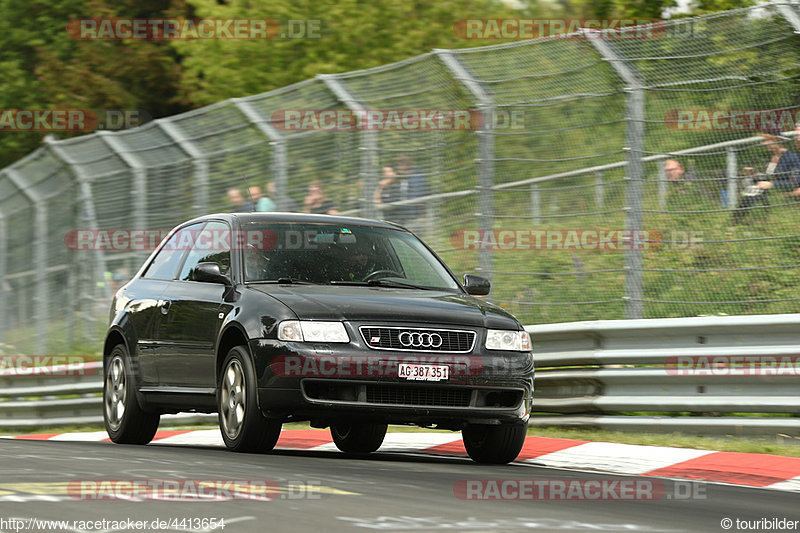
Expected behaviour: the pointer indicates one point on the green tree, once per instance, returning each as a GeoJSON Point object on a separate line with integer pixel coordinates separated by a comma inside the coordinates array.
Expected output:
{"type": "Point", "coordinates": [355, 34]}
{"type": "Point", "coordinates": [44, 68]}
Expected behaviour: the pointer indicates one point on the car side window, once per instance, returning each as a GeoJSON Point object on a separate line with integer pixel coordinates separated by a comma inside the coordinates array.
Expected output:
{"type": "Point", "coordinates": [167, 260]}
{"type": "Point", "coordinates": [211, 246]}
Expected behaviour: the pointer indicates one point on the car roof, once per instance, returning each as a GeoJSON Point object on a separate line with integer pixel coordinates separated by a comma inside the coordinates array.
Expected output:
{"type": "Point", "coordinates": [273, 216]}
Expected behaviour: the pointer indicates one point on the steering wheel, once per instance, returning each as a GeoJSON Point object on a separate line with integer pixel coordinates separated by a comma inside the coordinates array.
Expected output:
{"type": "Point", "coordinates": [387, 274]}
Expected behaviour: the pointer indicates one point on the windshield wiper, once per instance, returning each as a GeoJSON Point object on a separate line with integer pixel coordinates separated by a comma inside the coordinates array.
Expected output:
{"type": "Point", "coordinates": [399, 284]}
{"type": "Point", "coordinates": [291, 281]}
{"type": "Point", "coordinates": [383, 283]}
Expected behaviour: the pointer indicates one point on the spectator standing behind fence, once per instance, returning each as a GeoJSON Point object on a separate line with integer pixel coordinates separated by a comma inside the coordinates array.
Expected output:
{"type": "Point", "coordinates": [316, 202]}
{"type": "Point", "coordinates": [784, 165]}
{"type": "Point", "coordinates": [416, 187]}
{"type": "Point", "coordinates": [782, 173]}
{"type": "Point", "coordinates": [680, 183]}
{"type": "Point", "coordinates": [389, 190]}
{"type": "Point", "coordinates": [676, 175]}
{"type": "Point", "coordinates": [266, 203]}
{"type": "Point", "coordinates": [255, 195]}
{"type": "Point", "coordinates": [688, 192]}
{"type": "Point", "coordinates": [237, 201]}
{"type": "Point", "coordinates": [415, 184]}
{"type": "Point", "coordinates": [270, 201]}
{"type": "Point", "coordinates": [674, 170]}
{"type": "Point", "coordinates": [403, 182]}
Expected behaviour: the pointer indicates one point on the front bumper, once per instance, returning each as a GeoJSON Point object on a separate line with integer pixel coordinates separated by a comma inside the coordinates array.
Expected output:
{"type": "Point", "coordinates": [324, 383]}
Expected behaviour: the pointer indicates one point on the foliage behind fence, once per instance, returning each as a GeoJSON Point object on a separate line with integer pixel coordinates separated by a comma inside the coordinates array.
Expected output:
{"type": "Point", "coordinates": [573, 134]}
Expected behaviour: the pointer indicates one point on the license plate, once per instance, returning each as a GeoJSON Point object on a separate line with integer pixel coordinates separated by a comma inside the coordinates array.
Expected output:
{"type": "Point", "coordinates": [417, 372]}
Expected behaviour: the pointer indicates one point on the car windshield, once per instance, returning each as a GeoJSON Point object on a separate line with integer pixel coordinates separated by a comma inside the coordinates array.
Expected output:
{"type": "Point", "coordinates": [340, 255]}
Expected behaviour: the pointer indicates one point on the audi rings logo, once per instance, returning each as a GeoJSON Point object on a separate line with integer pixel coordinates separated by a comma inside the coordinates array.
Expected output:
{"type": "Point", "coordinates": [420, 340]}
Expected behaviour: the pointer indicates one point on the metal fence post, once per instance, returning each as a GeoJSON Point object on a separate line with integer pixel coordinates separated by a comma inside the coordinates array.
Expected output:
{"type": "Point", "coordinates": [41, 294]}
{"type": "Point", "coordinates": [485, 148]}
{"type": "Point", "coordinates": [599, 190]}
{"type": "Point", "coordinates": [71, 306]}
{"type": "Point", "coordinates": [198, 159]}
{"type": "Point", "coordinates": [277, 142]}
{"type": "Point", "coordinates": [634, 136]}
{"type": "Point", "coordinates": [139, 171]}
{"type": "Point", "coordinates": [369, 146]}
{"type": "Point", "coordinates": [788, 12]}
{"type": "Point", "coordinates": [662, 186]}
{"type": "Point", "coordinates": [733, 176]}
{"type": "Point", "coordinates": [536, 204]}
{"type": "Point", "coordinates": [3, 297]}
{"type": "Point", "coordinates": [430, 223]}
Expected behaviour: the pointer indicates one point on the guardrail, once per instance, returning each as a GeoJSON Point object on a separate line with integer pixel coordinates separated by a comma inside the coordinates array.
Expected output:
{"type": "Point", "coordinates": [62, 395]}
{"type": "Point", "coordinates": [704, 375]}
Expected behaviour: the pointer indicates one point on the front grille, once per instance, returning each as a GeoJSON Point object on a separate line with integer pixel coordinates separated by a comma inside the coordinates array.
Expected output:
{"type": "Point", "coordinates": [430, 396]}
{"type": "Point", "coordinates": [354, 393]}
{"type": "Point", "coordinates": [418, 339]}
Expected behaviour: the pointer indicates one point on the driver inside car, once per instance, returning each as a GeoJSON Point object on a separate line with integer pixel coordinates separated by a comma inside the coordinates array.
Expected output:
{"type": "Point", "coordinates": [256, 264]}
{"type": "Point", "coordinates": [352, 261]}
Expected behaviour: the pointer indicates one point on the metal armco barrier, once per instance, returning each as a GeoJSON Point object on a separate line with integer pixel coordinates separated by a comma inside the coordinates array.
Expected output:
{"type": "Point", "coordinates": [60, 396]}
{"type": "Point", "coordinates": [45, 396]}
{"type": "Point", "coordinates": [703, 375]}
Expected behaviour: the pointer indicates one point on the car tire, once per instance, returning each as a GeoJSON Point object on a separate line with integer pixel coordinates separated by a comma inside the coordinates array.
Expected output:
{"type": "Point", "coordinates": [358, 438]}
{"type": "Point", "coordinates": [123, 417]}
{"type": "Point", "coordinates": [494, 445]}
{"type": "Point", "coordinates": [244, 427]}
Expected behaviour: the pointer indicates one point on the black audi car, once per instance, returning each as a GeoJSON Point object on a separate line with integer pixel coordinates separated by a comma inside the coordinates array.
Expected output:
{"type": "Point", "coordinates": [347, 323]}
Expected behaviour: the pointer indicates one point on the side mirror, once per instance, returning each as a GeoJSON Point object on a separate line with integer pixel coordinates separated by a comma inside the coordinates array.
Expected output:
{"type": "Point", "coordinates": [476, 285]}
{"type": "Point", "coordinates": [209, 272]}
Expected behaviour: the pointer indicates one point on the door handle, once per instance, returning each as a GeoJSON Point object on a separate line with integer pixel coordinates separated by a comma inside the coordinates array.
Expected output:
{"type": "Point", "coordinates": [165, 306]}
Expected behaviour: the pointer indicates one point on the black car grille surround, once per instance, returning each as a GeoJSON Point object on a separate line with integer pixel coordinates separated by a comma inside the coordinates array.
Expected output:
{"type": "Point", "coordinates": [424, 396]}
{"type": "Point", "coordinates": [411, 339]}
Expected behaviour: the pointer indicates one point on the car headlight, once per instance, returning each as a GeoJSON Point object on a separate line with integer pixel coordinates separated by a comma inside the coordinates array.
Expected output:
{"type": "Point", "coordinates": [312, 331]}
{"type": "Point", "coordinates": [500, 339]}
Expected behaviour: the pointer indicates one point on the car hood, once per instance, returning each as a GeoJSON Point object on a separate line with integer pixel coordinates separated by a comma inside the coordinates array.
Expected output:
{"type": "Point", "coordinates": [384, 304]}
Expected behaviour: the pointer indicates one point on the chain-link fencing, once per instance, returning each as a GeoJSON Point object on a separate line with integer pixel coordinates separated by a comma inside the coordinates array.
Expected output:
{"type": "Point", "coordinates": [599, 175]}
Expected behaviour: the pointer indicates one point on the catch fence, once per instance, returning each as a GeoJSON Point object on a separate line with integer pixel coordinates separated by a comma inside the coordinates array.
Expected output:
{"type": "Point", "coordinates": [567, 142]}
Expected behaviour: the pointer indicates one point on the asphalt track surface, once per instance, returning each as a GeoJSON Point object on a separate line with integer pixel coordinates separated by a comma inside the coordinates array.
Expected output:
{"type": "Point", "coordinates": [324, 491]}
